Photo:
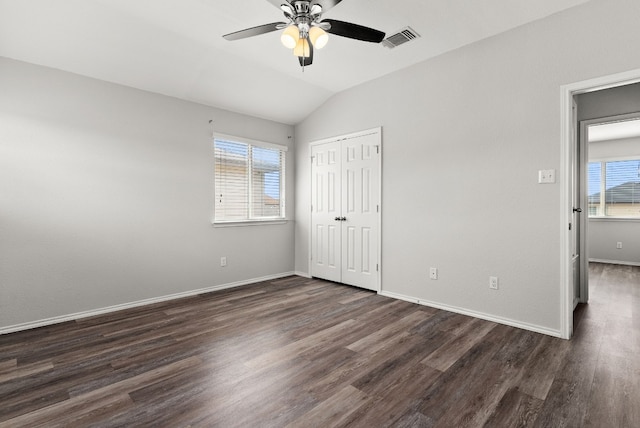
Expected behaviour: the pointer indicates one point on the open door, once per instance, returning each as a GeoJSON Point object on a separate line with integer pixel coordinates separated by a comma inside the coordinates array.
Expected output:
{"type": "Point", "coordinates": [577, 225]}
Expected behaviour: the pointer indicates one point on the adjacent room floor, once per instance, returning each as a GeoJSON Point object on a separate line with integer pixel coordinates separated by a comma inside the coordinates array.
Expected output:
{"type": "Point", "coordinates": [306, 352]}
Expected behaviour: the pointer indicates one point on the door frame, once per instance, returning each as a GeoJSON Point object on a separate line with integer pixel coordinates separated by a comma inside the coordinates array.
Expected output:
{"type": "Point", "coordinates": [584, 147]}
{"type": "Point", "coordinates": [567, 93]}
{"type": "Point", "coordinates": [378, 131]}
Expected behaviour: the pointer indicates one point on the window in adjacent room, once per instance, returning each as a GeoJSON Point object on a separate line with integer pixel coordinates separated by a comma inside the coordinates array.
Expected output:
{"type": "Point", "coordinates": [614, 188]}
{"type": "Point", "coordinates": [249, 180]}
{"type": "Point", "coordinates": [614, 169]}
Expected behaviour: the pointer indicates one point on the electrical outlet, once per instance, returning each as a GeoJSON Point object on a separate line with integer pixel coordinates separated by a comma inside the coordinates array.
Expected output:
{"type": "Point", "coordinates": [433, 273]}
{"type": "Point", "coordinates": [493, 282]}
{"type": "Point", "coordinates": [619, 245]}
{"type": "Point", "coordinates": [223, 261]}
{"type": "Point", "coordinates": [547, 176]}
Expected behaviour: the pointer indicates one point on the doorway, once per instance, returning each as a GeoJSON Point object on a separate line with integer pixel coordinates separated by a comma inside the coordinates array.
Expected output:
{"type": "Point", "coordinates": [574, 275]}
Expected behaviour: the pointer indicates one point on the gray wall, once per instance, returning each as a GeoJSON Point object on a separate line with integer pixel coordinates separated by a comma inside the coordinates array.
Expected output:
{"type": "Point", "coordinates": [106, 197]}
{"type": "Point", "coordinates": [464, 135]}
{"type": "Point", "coordinates": [603, 234]}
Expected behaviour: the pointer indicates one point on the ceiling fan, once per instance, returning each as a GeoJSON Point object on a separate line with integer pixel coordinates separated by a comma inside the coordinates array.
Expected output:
{"type": "Point", "coordinates": [305, 30]}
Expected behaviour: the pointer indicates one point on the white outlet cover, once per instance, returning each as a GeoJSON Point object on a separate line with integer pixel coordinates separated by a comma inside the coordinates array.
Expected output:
{"type": "Point", "coordinates": [547, 176]}
{"type": "Point", "coordinates": [493, 282]}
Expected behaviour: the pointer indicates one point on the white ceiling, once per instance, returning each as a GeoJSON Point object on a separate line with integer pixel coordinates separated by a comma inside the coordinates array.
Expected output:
{"type": "Point", "coordinates": [175, 47]}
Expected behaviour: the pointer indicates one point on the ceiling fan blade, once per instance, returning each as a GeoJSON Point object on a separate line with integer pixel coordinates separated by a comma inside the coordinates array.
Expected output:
{"type": "Point", "coordinates": [325, 4]}
{"type": "Point", "coordinates": [354, 31]}
{"type": "Point", "coordinates": [254, 31]}
{"type": "Point", "coordinates": [305, 61]}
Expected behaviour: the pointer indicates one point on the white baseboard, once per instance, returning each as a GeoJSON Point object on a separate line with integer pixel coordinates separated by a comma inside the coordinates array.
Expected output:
{"type": "Point", "coordinates": [615, 262]}
{"type": "Point", "coordinates": [106, 310]}
{"type": "Point", "coordinates": [487, 317]}
{"type": "Point", "coordinates": [302, 274]}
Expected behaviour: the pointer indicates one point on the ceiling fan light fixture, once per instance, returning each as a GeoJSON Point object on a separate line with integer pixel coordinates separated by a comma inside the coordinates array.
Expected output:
{"type": "Point", "coordinates": [318, 37]}
{"type": "Point", "coordinates": [305, 30]}
{"type": "Point", "coordinates": [302, 48]}
{"type": "Point", "coordinates": [316, 9]}
{"type": "Point", "coordinates": [290, 36]}
{"type": "Point", "coordinates": [286, 8]}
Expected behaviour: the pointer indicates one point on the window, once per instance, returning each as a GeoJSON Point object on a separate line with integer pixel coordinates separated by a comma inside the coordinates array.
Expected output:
{"type": "Point", "coordinates": [614, 188]}
{"type": "Point", "coordinates": [249, 180]}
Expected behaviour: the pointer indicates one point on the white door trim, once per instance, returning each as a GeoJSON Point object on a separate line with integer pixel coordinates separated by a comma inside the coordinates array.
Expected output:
{"type": "Point", "coordinates": [377, 130]}
{"type": "Point", "coordinates": [566, 101]}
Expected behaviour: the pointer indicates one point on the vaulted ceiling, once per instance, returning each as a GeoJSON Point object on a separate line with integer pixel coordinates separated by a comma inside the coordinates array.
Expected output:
{"type": "Point", "coordinates": [175, 47]}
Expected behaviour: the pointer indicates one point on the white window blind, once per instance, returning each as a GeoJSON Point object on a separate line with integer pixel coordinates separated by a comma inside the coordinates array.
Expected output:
{"type": "Point", "coordinates": [614, 188]}
{"type": "Point", "coordinates": [249, 180]}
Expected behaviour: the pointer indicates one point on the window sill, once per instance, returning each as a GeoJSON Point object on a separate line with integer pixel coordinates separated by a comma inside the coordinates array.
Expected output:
{"type": "Point", "coordinates": [615, 219]}
{"type": "Point", "coordinates": [241, 223]}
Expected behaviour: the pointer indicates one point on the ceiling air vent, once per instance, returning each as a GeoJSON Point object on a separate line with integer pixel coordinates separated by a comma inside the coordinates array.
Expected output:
{"type": "Point", "coordinates": [403, 36]}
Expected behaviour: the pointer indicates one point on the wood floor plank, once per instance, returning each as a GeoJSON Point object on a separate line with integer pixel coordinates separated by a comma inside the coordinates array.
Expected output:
{"type": "Point", "coordinates": [541, 369]}
{"type": "Point", "coordinates": [376, 340]}
{"type": "Point", "coordinates": [394, 400]}
{"type": "Point", "coordinates": [472, 384]}
{"type": "Point", "coordinates": [568, 397]}
{"type": "Point", "coordinates": [8, 365]}
{"type": "Point", "coordinates": [458, 345]}
{"type": "Point", "coordinates": [334, 410]}
{"type": "Point", "coordinates": [75, 407]}
{"type": "Point", "coordinates": [619, 339]}
{"type": "Point", "coordinates": [75, 414]}
{"type": "Point", "coordinates": [413, 419]}
{"type": "Point", "coordinates": [25, 370]}
{"type": "Point", "coordinates": [515, 409]}
{"type": "Point", "coordinates": [351, 370]}
{"type": "Point", "coordinates": [291, 350]}
{"type": "Point", "coordinates": [614, 398]}
{"type": "Point", "coordinates": [28, 394]}
{"type": "Point", "coordinates": [354, 297]}
{"type": "Point", "coordinates": [307, 352]}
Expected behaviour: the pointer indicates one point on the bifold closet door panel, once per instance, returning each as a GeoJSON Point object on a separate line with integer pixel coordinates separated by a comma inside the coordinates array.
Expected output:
{"type": "Point", "coordinates": [326, 199]}
{"type": "Point", "coordinates": [360, 205]}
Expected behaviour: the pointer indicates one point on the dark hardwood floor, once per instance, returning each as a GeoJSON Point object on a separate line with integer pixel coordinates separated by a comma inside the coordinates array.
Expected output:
{"type": "Point", "coordinates": [309, 353]}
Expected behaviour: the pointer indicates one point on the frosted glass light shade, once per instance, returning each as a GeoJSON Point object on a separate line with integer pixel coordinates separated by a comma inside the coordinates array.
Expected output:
{"type": "Point", "coordinates": [318, 37]}
{"type": "Point", "coordinates": [290, 36]}
{"type": "Point", "coordinates": [302, 48]}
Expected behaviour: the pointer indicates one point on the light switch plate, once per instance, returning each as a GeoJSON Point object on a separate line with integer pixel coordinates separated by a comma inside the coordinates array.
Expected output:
{"type": "Point", "coordinates": [547, 176]}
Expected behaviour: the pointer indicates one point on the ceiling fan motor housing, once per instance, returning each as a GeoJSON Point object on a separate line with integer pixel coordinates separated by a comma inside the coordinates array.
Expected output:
{"type": "Point", "coordinates": [304, 16]}
{"type": "Point", "coordinates": [301, 7]}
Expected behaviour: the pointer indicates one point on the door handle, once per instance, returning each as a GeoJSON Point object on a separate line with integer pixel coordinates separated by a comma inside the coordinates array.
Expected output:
{"type": "Point", "coordinates": [343, 219]}
{"type": "Point", "coordinates": [577, 210]}
{"type": "Point", "coordinates": [337, 219]}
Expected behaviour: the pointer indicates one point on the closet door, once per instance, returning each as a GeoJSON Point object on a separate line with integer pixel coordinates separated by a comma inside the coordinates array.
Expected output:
{"type": "Point", "coordinates": [326, 177]}
{"type": "Point", "coordinates": [345, 209]}
{"type": "Point", "coordinates": [360, 206]}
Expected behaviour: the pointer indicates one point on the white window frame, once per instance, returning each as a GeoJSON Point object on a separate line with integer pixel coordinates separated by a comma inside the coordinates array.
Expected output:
{"type": "Point", "coordinates": [250, 221]}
